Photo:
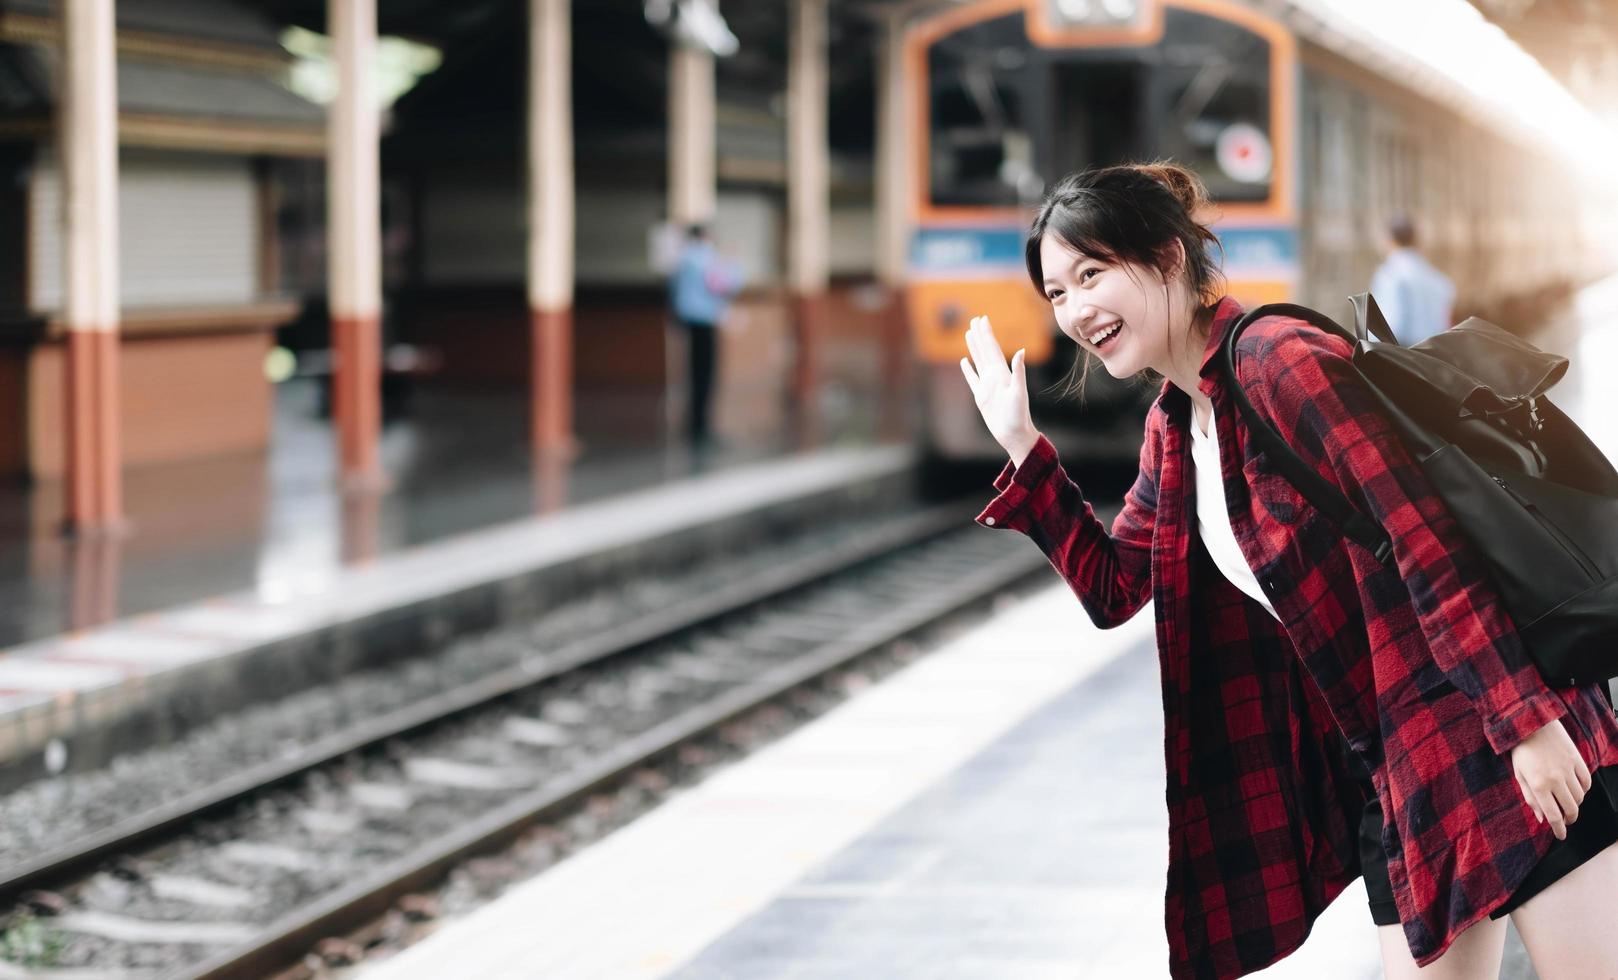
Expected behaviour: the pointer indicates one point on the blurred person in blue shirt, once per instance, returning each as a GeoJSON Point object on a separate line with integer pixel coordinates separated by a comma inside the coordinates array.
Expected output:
{"type": "Point", "coordinates": [700, 291]}
{"type": "Point", "coordinates": [1415, 298]}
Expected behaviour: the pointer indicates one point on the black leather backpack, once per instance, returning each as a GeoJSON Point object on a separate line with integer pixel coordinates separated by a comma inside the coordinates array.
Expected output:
{"type": "Point", "coordinates": [1534, 494]}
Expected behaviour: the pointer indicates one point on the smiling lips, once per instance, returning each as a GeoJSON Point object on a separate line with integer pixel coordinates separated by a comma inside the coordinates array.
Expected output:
{"type": "Point", "coordinates": [1104, 336]}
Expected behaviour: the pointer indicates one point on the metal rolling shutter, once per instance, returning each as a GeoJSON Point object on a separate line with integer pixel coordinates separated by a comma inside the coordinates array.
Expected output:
{"type": "Point", "coordinates": [188, 230]}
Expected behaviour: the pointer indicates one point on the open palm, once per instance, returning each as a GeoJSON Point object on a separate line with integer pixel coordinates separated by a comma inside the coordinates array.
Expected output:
{"type": "Point", "coordinates": [1001, 391]}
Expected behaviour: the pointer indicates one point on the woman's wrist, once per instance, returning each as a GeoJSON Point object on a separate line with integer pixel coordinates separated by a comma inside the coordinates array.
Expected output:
{"type": "Point", "coordinates": [1020, 446]}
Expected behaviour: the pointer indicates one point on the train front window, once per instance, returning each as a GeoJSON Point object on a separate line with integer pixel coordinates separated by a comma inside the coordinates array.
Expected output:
{"type": "Point", "coordinates": [1097, 112]}
{"type": "Point", "coordinates": [1212, 104]}
{"type": "Point", "coordinates": [982, 152]}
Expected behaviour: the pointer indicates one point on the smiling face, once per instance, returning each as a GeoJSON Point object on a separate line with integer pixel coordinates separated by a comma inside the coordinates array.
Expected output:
{"type": "Point", "coordinates": [1119, 311]}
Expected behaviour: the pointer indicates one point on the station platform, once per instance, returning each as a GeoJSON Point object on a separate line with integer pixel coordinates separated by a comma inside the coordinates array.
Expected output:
{"type": "Point", "coordinates": [468, 538]}
{"type": "Point", "coordinates": [994, 810]}
{"type": "Point", "coordinates": [457, 462]}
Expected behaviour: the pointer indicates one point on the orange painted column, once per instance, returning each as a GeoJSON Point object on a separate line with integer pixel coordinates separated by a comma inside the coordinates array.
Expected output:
{"type": "Point", "coordinates": [354, 245]}
{"type": "Point", "coordinates": [550, 226]}
{"type": "Point", "coordinates": [808, 198]}
{"type": "Point", "coordinates": [356, 396]}
{"type": "Point", "coordinates": [89, 128]}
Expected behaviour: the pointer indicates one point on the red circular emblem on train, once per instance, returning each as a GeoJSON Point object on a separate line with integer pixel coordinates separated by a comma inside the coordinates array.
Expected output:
{"type": "Point", "coordinates": [1243, 152]}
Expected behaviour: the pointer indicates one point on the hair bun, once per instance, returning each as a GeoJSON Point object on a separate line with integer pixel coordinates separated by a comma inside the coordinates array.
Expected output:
{"type": "Point", "coordinates": [1186, 186]}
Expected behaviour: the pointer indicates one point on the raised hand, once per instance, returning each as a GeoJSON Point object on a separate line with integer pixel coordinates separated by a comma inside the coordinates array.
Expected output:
{"type": "Point", "coordinates": [1001, 392]}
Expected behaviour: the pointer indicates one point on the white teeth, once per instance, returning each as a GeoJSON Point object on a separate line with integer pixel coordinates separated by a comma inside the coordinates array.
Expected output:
{"type": "Point", "coordinates": [1097, 338]}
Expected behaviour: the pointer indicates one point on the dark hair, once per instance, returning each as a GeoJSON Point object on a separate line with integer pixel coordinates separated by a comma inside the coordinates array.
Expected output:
{"type": "Point", "coordinates": [1402, 231]}
{"type": "Point", "coordinates": [1133, 213]}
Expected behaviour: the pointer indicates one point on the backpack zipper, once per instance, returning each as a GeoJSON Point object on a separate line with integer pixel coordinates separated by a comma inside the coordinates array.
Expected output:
{"type": "Point", "coordinates": [1555, 532]}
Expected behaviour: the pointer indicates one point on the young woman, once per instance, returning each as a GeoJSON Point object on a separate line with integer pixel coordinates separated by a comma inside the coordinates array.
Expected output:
{"type": "Point", "coordinates": [1326, 715]}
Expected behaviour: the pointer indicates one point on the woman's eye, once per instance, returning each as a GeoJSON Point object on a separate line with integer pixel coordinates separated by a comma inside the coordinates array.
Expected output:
{"type": "Point", "coordinates": [1053, 295]}
{"type": "Point", "coordinates": [1089, 274]}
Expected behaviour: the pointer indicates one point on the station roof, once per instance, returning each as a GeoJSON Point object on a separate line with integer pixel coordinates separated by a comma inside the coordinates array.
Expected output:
{"type": "Point", "coordinates": [28, 87]}
{"type": "Point", "coordinates": [1447, 51]}
{"type": "Point", "coordinates": [1514, 76]}
{"type": "Point", "coordinates": [1577, 40]}
{"type": "Point", "coordinates": [208, 20]}
{"type": "Point", "coordinates": [184, 59]}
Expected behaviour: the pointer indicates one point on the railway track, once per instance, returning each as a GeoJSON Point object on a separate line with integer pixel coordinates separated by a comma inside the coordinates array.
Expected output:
{"type": "Point", "coordinates": [246, 876]}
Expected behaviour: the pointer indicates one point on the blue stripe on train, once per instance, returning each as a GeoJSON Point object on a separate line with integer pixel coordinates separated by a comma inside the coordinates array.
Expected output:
{"type": "Point", "coordinates": [1264, 248]}
{"type": "Point", "coordinates": [936, 250]}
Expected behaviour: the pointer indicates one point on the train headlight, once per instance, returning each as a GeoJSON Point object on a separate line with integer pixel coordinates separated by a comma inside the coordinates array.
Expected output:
{"type": "Point", "coordinates": [1095, 13]}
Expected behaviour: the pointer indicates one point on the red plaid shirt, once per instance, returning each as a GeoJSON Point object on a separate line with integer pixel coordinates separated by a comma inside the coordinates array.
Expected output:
{"type": "Point", "coordinates": [1414, 663]}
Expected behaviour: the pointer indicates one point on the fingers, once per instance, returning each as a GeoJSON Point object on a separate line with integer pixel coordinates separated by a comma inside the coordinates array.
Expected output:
{"type": "Point", "coordinates": [987, 356]}
{"type": "Point", "coordinates": [974, 344]}
{"type": "Point", "coordinates": [1557, 804]}
{"type": "Point", "coordinates": [1568, 796]}
{"type": "Point", "coordinates": [1553, 777]}
{"type": "Point", "coordinates": [1553, 814]}
{"type": "Point", "coordinates": [988, 334]}
{"type": "Point", "coordinates": [1019, 370]}
{"type": "Point", "coordinates": [971, 376]}
{"type": "Point", "coordinates": [1528, 797]}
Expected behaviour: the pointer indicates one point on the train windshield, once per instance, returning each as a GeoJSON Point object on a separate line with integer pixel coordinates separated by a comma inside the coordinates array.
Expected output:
{"type": "Point", "coordinates": [1007, 118]}
{"type": "Point", "coordinates": [982, 142]}
{"type": "Point", "coordinates": [1212, 82]}
{"type": "Point", "coordinates": [1099, 115]}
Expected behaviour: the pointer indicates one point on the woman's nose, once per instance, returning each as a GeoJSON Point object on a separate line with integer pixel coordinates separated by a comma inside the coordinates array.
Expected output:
{"type": "Point", "coordinates": [1075, 320]}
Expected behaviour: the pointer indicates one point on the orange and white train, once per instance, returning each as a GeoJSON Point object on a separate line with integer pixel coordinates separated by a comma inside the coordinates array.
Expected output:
{"type": "Point", "coordinates": [1309, 143]}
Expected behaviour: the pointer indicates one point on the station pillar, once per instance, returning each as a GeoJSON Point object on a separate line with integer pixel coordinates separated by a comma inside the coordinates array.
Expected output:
{"type": "Point", "coordinates": [550, 226]}
{"type": "Point", "coordinates": [90, 313]}
{"type": "Point", "coordinates": [693, 141]}
{"type": "Point", "coordinates": [692, 181]}
{"type": "Point", "coordinates": [354, 245]}
{"type": "Point", "coordinates": [808, 196]}
{"type": "Point", "coordinates": [893, 203]}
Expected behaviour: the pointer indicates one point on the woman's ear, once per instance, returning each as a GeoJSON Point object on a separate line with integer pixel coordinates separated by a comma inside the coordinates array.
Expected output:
{"type": "Point", "coordinates": [1171, 260]}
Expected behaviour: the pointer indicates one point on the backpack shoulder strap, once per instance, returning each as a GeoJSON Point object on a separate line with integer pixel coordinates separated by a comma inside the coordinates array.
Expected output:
{"type": "Point", "coordinates": [1315, 488]}
{"type": "Point", "coordinates": [1368, 319]}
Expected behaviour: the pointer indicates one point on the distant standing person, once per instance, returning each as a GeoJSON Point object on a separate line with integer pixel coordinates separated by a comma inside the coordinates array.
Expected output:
{"type": "Point", "coordinates": [702, 288]}
{"type": "Point", "coordinates": [1415, 298]}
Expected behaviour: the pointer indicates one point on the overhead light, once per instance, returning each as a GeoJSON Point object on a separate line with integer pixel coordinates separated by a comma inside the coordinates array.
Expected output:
{"type": "Point", "coordinates": [693, 23]}
{"type": "Point", "coordinates": [398, 65]}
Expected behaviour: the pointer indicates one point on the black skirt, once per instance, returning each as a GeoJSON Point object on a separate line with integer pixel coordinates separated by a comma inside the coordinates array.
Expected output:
{"type": "Point", "coordinates": [1594, 831]}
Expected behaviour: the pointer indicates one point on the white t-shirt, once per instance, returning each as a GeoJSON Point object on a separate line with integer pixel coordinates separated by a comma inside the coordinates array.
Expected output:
{"type": "Point", "coordinates": [1213, 519]}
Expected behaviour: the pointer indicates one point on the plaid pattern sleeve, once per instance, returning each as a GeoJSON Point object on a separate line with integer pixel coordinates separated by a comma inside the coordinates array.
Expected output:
{"type": "Point", "coordinates": [1110, 573]}
{"type": "Point", "coordinates": [1305, 381]}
